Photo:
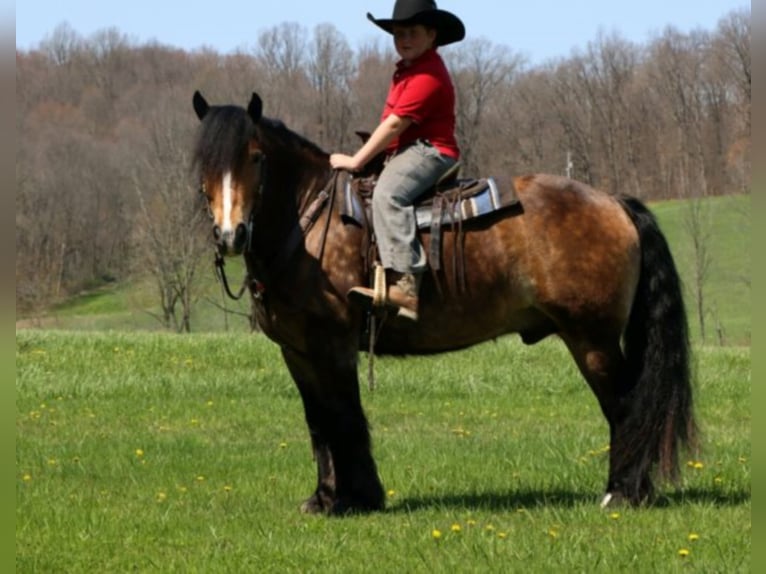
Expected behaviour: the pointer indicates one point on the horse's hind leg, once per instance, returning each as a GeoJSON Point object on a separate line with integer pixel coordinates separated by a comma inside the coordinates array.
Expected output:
{"type": "Point", "coordinates": [347, 478]}
{"type": "Point", "coordinates": [603, 365]}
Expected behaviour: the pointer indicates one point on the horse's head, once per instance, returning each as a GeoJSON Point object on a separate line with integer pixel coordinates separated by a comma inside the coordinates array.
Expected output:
{"type": "Point", "coordinates": [230, 164]}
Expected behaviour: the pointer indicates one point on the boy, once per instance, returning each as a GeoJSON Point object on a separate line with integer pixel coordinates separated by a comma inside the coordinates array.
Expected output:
{"type": "Point", "coordinates": [417, 132]}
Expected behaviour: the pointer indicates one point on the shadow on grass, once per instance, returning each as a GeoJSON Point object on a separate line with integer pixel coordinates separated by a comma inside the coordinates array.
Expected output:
{"type": "Point", "coordinates": [512, 500]}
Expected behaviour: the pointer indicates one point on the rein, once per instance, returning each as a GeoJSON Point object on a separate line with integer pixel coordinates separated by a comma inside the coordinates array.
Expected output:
{"type": "Point", "coordinates": [220, 273]}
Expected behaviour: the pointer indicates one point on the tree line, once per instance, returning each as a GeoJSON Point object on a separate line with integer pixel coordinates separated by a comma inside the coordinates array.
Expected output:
{"type": "Point", "coordinates": [104, 126]}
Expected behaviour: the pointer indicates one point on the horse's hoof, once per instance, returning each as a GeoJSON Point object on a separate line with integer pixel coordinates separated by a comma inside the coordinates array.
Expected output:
{"type": "Point", "coordinates": [612, 500]}
{"type": "Point", "coordinates": [618, 499]}
{"type": "Point", "coordinates": [312, 505]}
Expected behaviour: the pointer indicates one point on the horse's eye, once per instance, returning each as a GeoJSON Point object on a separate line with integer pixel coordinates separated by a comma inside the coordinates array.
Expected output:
{"type": "Point", "coordinates": [256, 157]}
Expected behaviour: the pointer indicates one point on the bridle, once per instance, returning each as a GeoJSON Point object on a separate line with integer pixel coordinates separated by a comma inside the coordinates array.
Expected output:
{"type": "Point", "coordinates": [220, 260]}
{"type": "Point", "coordinates": [307, 218]}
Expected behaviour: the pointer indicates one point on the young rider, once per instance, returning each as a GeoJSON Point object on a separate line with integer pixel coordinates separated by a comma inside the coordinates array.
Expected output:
{"type": "Point", "coordinates": [417, 132]}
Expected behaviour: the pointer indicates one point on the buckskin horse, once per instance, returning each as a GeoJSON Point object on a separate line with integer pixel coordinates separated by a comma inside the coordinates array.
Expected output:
{"type": "Point", "coordinates": [590, 267]}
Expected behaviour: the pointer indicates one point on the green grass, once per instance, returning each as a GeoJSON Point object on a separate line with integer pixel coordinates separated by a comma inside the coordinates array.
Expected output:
{"type": "Point", "coordinates": [133, 306]}
{"type": "Point", "coordinates": [727, 291]}
{"type": "Point", "coordinates": [163, 453]}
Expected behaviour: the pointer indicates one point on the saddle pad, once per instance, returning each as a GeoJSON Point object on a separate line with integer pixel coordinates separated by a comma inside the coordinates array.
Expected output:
{"type": "Point", "coordinates": [469, 199]}
{"type": "Point", "coordinates": [455, 206]}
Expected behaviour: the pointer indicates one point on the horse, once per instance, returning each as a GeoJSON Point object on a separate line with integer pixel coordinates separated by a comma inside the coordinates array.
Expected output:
{"type": "Point", "coordinates": [590, 267]}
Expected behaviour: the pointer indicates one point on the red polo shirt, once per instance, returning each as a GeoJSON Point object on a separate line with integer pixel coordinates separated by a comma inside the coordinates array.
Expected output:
{"type": "Point", "coordinates": [423, 91]}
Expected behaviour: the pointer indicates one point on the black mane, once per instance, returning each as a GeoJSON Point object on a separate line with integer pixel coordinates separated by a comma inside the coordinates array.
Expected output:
{"type": "Point", "coordinates": [222, 137]}
{"type": "Point", "coordinates": [226, 131]}
{"type": "Point", "coordinates": [287, 138]}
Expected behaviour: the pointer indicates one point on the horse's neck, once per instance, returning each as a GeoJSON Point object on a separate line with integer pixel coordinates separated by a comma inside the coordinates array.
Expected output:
{"type": "Point", "coordinates": [287, 192]}
{"type": "Point", "coordinates": [289, 187]}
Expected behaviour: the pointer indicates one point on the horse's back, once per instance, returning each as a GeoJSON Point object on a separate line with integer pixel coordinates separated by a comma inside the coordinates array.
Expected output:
{"type": "Point", "coordinates": [569, 256]}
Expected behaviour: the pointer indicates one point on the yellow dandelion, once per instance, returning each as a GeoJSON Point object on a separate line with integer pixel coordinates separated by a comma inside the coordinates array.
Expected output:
{"type": "Point", "coordinates": [194, 422]}
{"type": "Point", "coordinates": [282, 445]}
{"type": "Point", "coordinates": [471, 522]}
{"type": "Point", "coordinates": [553, 533]}
{"type": "Point", "coordinates": [209, 403]}
{"type": "Point", "coordinates": [455, 527]}
{"type": "Point", "coordinates": [200, 478]}
{"type": "Point", "coordinates": [698, 465]}
{"type": "Point", "coordinates": [181, 488]}
{"type": "Point", "coordinates": [436, 534]}
{"type": "Point", "coordinates": [489, 528]}
{"type": "Point", "coordinates": [161, 496]}
{"type": "Point", "coordinates": [391, 493]}
{"type": "Point", "coordinates": [684, 552]}
{"type": "Point", "coordinates": [227, 488]}
{"type": "Point", "coordinates": [614, 515]}
{"type": "Point", "coordinates": [52, 462]}
{"type": "Point", "coordinates": [27, 477]}
{"type": "Point", "coordinates": [139, 452]}
{"type": "Point", "coordinates": [718, 480]}
{"type": "Point", "coordinates": [502, 535]}
{"type": "Point", "coordinates": [693, 537]}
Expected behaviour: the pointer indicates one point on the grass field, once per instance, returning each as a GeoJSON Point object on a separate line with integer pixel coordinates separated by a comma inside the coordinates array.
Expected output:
{"type": "Point", "coordinates": [140, 450]}
{"type": "Point", "coordinates": [166, 453]}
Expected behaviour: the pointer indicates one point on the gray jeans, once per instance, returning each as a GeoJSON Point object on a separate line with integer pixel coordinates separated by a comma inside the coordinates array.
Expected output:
{"type": "Point", "coordinates": [406, 177]}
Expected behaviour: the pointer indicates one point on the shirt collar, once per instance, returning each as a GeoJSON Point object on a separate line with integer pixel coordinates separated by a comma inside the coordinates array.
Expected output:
{"type": "Point", "coordinates": [427, 56]}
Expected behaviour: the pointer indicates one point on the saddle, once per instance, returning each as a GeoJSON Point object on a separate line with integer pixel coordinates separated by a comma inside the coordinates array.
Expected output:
{"type": "Point", "coordinates": [450, 202]}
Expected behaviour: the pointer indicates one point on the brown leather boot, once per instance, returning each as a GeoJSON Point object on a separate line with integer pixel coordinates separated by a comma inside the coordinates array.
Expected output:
{"type": "Point", "coordinates": [401, 294]}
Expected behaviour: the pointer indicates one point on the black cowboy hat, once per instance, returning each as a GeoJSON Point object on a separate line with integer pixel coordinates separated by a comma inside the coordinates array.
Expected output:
{"type": "Point", "coordinates": [449, 27]}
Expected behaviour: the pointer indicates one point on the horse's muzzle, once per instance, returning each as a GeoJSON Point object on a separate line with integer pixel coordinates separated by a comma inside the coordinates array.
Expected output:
{"type": "Point", "coordinates": [230, 242]}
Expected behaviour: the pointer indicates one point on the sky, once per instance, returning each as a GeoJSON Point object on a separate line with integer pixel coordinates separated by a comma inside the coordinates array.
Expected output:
{"type": "Point", "coordinates": [540, 30]}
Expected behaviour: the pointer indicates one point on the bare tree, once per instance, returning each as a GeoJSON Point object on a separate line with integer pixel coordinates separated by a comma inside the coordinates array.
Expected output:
{"type": "Point", "coordinates": [331, 69]}
{"type": "Point", "coordinates": [732, 45]}
{"type": "Point", "coordinates": [697, 225]}
{"type": "Point", "coordinates": [604, 75]}
{"type": "Point", "coordinates": [171, 221]}
{"type": "Point", "coordinates": [479, 69]}
{"type": "Point", "coordinates": [375, 66]}
{"type": "Point", "coordinates": [282, 54]}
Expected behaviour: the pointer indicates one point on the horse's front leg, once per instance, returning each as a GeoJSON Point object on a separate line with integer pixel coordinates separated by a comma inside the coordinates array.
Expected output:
{"type": "Point", "coordinates": [347, 478]}
{"type": "Point", "coordinates": [325, 494]}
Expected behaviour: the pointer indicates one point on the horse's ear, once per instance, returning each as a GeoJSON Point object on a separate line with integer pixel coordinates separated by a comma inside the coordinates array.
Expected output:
{"type": "Point", "coordinates": [255, 107]}
{"type": "Point", "coordinates": [201, 106]}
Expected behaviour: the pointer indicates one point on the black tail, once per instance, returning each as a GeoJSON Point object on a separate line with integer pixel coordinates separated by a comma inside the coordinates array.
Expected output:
{"type": "Point", "coordinates": [659, 406]}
